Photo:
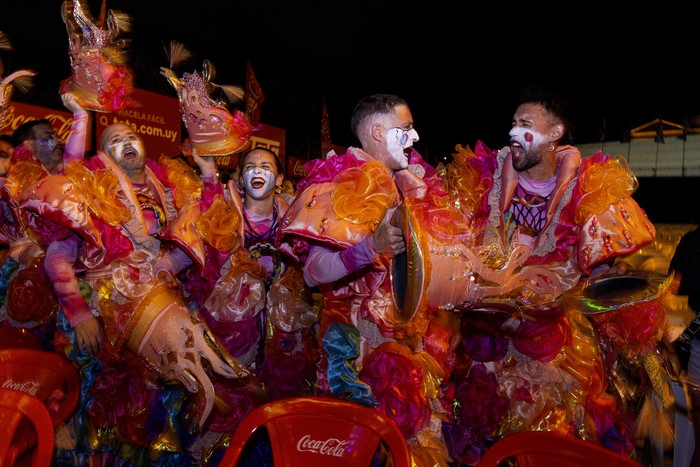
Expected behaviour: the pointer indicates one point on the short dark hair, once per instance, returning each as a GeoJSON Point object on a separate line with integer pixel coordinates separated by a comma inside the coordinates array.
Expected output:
{"type": "Point", "coordinates": [25, 131]}
{"type": "Point", "coordinates": [372, 105]}
{"type": "Point", "coordinates": [555, 105]}
{"type": "Point", "coordinates": [6, 138]}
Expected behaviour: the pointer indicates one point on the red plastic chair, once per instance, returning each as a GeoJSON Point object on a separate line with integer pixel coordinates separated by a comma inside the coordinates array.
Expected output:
{"type": "Point", "coordinates": [548, 449]}
{"type": "Point", "coordinates": [26, 433]}
{"type": "Point", "coordinates": [48, 376]}
{"type": "Point", "coordinates": [310, 431]}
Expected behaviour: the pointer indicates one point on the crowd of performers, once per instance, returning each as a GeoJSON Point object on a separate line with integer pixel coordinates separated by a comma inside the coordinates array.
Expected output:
{"type": "Point", "coordinates": [456, 298]}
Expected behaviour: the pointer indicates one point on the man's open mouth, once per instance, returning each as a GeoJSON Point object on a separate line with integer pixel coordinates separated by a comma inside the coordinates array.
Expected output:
{"type": "Point", "coordinates": [516, 149]}
{"type": "Point", "coordinates": [129, 153]}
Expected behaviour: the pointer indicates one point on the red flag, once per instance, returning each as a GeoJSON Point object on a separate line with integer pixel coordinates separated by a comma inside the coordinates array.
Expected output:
{"type": "Point", "coordinates": [325, 124]}
{"type": "Point", "coordinates": [253, 95]}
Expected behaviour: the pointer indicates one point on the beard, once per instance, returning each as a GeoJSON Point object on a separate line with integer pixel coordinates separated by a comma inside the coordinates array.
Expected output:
{"type": "Point", "coordinates": [132, 165]}
{"type": "Point", "coordinates": [528, 161]}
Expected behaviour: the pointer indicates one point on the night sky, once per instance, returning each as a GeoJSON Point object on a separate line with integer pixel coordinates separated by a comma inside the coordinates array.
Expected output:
{"type": "Point", "coordinates": [460, 64]}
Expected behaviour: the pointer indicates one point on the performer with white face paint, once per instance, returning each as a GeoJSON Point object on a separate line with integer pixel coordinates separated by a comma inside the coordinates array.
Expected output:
{"type": "Point", "coordinates": [537, 185]}
{"type": "Point", "coordinates": [262, 176]}
{"type": "Point", "coordinates": [254, 299]}
{"type": "Point", "coordinates": [287, 362]}
{"type": "Point", "coordinates": [534, 139]}
{"type": "Point", "coordinates": [340, 223]}
{"type": "Point", "coordinates": [541, 360]}
{"type": "Point", "coordinates": [125, 149]}
{"type": "Point", "coordinates": [37, 149]}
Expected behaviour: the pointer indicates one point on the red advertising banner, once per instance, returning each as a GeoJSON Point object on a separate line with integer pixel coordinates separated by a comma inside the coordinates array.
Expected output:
{"type": "Point", "coordinates": [295, 167]}
{"type": "Point", "coordinates": [19, 113]}
{"type": "Point", "coordinates": [157, 121]}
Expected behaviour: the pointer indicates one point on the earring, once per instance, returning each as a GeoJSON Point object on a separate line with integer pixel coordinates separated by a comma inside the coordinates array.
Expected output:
{"type": "Point", "coordinates": [551, 146]}
{"type": "Point", "coordinates": [278, 189]}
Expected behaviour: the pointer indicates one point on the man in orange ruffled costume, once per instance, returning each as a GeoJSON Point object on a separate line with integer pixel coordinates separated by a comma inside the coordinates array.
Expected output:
{"type": "Point", "coordinates": [119, 228]}
{"type": "Point", "coordinates": [340, 223]}
{"type": "Point", "coordinates": [542, 364]}
{"type": "Point", "coordinates": [38, 152]}
{"type": "Point", "coordinates": [245, 291]}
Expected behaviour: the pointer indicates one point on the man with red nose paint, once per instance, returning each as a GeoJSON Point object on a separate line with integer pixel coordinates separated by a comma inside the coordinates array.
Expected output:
{"type": "Point", "coordinates": [538, 366]}
{"type": "Point", "coordinates": [543, 195]}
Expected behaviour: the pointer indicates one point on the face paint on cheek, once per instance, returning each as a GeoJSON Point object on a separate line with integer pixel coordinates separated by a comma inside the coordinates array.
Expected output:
{"type": "Point", "coordinates": [115, 151]}
{"type": "Point", "coordinates": [256, 173]}
{"type": "Point", "coordinates": [535, 138]}
{"type": "Point", "coordinates": [47, 144]}
{"type": "Point", "coordinates": [138, 147]}
{"type": "Point", "coordinates": [396, 148]}
{"type": "Point", "coordinates": [397, 153]}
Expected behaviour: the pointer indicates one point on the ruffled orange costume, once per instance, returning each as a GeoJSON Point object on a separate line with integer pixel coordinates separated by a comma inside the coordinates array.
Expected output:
{"type": "Point", "coordinates": [546, 363]}
{"type": "Point", "coordinates": [145, 314]}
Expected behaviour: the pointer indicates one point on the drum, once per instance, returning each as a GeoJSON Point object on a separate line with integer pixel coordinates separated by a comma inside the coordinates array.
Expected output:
{"type": "Point", "coordinates": [444, 271]}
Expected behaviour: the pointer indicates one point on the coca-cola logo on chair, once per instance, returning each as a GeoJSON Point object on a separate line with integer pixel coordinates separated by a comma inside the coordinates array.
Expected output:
{"type": "Point", "coordinates": [329, 447]}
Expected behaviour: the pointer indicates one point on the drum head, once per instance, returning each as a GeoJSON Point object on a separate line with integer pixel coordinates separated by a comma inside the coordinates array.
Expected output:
{"type": "Point", "coordinates": [609, 293]}
{"type": "Point", "coordinates": [407, 270]}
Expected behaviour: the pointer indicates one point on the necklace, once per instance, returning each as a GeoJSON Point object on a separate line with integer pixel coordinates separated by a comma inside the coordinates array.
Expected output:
{"type": "Point", "coordinates": [252, 236]}
{"type": "Point", "coordinates": [261, 247]}
{"type": "Point", "coordinates": [148, 202]}
{"type": "Point", "coordinates": [529, 210]}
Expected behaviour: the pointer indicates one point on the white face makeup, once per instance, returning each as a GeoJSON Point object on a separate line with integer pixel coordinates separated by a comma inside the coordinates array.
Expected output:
{"type": "Point", "coordinates": [259, 174]}
{"type": "Point", "coordinates": [528, 144]}
{"type": "Point", "coordinates": [398, 141]}
{"type": "Point", "coordinates": [528, 138]}
{"type": "Point", "coordinates": [258, 182]}
{"type": "Point", "coordinates": [122, 146]}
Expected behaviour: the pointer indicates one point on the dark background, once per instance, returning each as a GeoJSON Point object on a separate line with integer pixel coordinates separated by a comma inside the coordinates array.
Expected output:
{"type": "Point", "coordinates": [460, 64]}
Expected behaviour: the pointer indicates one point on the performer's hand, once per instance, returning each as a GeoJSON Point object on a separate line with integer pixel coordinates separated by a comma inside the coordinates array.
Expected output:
{"type": "Point", "coordinates": [388, 239]}
{"type": "Point", "coordinates": [89, 336]}
{"type": "Point", "coordinates": [207, 164]}
{"type": "Point", "coordinates": [70, 101]}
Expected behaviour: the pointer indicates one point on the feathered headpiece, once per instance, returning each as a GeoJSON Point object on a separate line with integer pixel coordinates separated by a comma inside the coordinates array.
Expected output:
{"type": "Point", "coordinates": [212, 129]}
{"type": "Point", "coordinates": [99, 76]}
{"type": "Point", "coordinates": [21, 79]}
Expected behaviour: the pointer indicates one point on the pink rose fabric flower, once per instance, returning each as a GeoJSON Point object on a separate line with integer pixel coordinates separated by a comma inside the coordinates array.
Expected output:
{"type": "Point", "coordinates": [397, 382]}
